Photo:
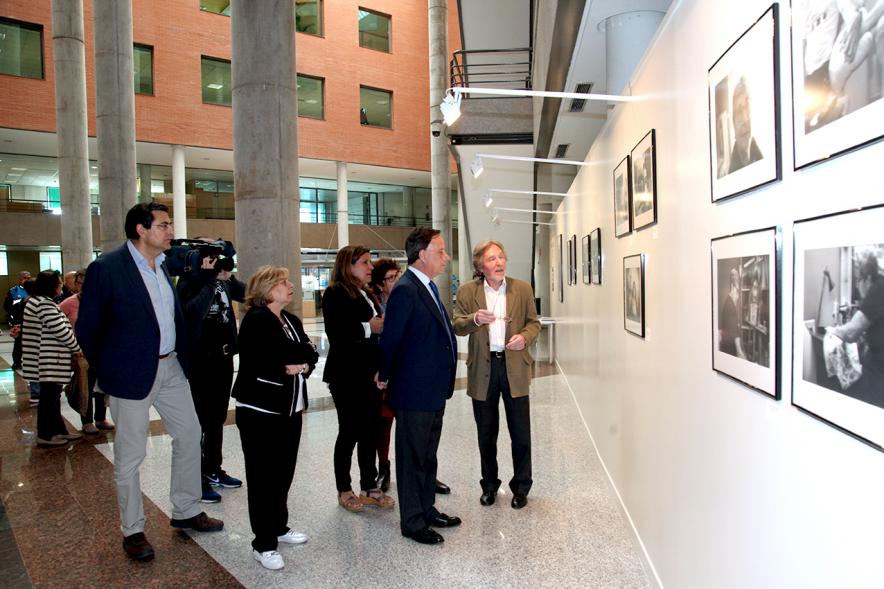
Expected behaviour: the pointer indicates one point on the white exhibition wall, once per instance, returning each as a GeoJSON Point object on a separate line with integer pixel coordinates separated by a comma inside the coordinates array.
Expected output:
{"type": "Point", "coordinates": [725, 486]}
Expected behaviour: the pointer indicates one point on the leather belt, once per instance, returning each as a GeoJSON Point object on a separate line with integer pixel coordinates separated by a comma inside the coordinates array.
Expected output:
{"type": "Point", "coordinates": [498, 355]}
{"type": "Point", "coordinates": [164, 356]}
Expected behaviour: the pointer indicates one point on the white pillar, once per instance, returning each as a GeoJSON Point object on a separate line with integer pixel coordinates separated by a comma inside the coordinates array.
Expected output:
{"type": "Point", "coordinates": [626, 37]}
{"type": "Point", "coordinates": [543, 260]}
{"type": "Point", "coordinates": [179, 195]}
{"type": "Point", "coordinates": [343, 220]}
{"type": "Point", "coordinates": [464, 250]}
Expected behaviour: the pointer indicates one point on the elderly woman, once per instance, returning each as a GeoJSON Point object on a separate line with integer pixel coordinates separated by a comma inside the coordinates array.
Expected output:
{"type": "Point", "coordinates": [275, 359]}
{"type": "Point", "coordinates": [352, 323]}
{"type": "Point", "coordinates": [48, 344]}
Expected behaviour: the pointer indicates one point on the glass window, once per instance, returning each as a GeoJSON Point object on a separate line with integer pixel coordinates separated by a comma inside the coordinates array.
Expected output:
{"type": "Point", "coordinates": [143, 62]}
{"type": "Point", "coordinates": [308, 17]}
{"type": "Point", "coordinates": [50, 261]}
{"type": "Point", "coordinates": [310, 97]}
{"type": "Point", "coordinates": [216, 6]}
{"type": "Point", "coordinates": [4, 266]}
{"type": "Point", "coordinates": [375, 107]}
{"type": "Point", "coordinates": [21, 49]}
{"type": "Point", "coordinates": [216, 81]}
{"type": "Point", "coordinates": [374, 30]}
{"type": "Point", "coordinates": [53, 199]}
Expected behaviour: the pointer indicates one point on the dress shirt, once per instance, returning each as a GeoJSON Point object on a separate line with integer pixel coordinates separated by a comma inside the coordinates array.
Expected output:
{"type": "Point", "coordinates": [366, 326]}
{"type": "Point", "coordinates": [162, 297]}
{"type": "Point", "coordinates": [495, 301]}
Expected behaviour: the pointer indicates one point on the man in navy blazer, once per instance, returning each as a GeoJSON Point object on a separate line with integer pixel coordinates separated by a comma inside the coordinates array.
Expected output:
{"type": "Point", "coordinates": [131, 329]}
{"type": "Point", "coordinates": [417, 366]}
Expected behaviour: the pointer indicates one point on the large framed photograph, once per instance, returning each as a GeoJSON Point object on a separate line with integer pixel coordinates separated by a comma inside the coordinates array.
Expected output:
{"type": "Point", "coordinates": [634, 294]}
{"type": "Point", "coordinates": [745, 308]}
{"type": "Point", "coordinates": [744, 113]}
{"type": "Point", "coordinates": [561, 270]}
{"type": "Point", "coordinates": [595, 256]}
{"type": "Point", "coordinates": [587, 264]}
{"type": "Point", "coordinates": [622, 199]}
{"type": "Point", "coordinates": [643, 159]}
{"type": "Point", "coordinates": [838, 323]}
{"type": "Point", "coordinates": [837, 70]}
{"type": "Point", "coordinates": [572, 257]}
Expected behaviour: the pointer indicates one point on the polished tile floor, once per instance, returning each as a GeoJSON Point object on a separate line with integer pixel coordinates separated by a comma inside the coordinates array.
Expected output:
{"type": "Point", "coordinates": [59, 526]}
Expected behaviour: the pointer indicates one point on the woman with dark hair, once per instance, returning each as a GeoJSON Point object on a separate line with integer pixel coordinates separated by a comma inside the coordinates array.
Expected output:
{"type": "Point", "coordinates": [352, 324]}
{"type": "Point", "coordinates": [48, 344]}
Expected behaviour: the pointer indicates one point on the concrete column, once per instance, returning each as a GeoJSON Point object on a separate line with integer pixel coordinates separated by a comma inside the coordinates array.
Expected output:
{"type": "Point", "coordinates": [440, 170]}
{"type": "Point", "coordinates": [464, 249]}
{"type": "Point", "coordinates": [627, 35]}
{"type": "Point", "coordinates": [144, 172]}
{"type": "Point", "coordinates": [114, 116]}
{"type": "Point", "coordinates": [179, 195]}
{"type": "Point", "coordinates": [343, 222]}
{"type": "Point", "coordinates": [69, 60]}
{"type": "Point", "coordinates": [265, 138]}
{"type": "Point", "coordinates": [543, 260]}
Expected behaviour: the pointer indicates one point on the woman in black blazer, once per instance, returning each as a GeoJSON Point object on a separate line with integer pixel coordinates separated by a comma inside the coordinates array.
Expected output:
{"type": "Point", "coordinates": [352, 324]}
{"type": "Point", "coordinates": [275, 359]}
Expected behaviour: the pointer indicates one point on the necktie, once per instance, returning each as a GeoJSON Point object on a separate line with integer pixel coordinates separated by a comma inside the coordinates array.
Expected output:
{"type": "Point", "coordinates": [441, 308]}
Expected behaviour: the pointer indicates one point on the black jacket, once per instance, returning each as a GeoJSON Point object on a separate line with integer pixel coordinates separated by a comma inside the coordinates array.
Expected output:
{"type": "Point", "coordinates": [352, 357]}
{"type": "Point", "coordinates": [196, 294]}
{"type": "Point", "coordinates": [265, 350]}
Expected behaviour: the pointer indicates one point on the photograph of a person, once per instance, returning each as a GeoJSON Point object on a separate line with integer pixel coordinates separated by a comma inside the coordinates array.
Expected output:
{"type": "Point", "coordinates": [839, 321]}
{"type": "Point", "coordinates": [644, 181]}
{"type": "Point", "coordinates": [838, 73]}
{"type": "Point", "coordinates": [587, 261]}
{"type": "Point", "coordinates": [743, 115]}
{"type": "Point", "coordinates": [622, 199]}
{"type": "Point", "coordinates": [744, 313]}
{"type": "Point", "coordinates": [595, 255]}
{"type": "Point", "coordinates": [634, 294]}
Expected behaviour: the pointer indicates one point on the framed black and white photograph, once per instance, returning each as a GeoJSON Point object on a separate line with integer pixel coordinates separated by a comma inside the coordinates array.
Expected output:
{"type": "Point", "coordinates": [622, 199]}
{"type": "Point", "coordinates": [595, 256]}
{"type": "Point", "coordinates": [838, 323]}
{"type": "Point", "coordinates": [561, 270]}
{"type": "Point", "coordinates": [643, 160]}
{"type": "Point", "coordinates": [587, 264]}
{"type": "Point", "coordinates": [837, 76]}
{"type": "Point", "coordinates": [744, 113]}
{"type": "Point", "coordinates": [745, 308]}
{"type": "Point", "coordinates": [572, 260]}
{"type": "Point", "coordinates": [634, 294]}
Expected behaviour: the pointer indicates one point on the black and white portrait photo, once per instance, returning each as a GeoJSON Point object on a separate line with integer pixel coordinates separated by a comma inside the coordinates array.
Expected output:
{"type": "Point", "coordinates": [744, 118]}
{"type": "Point", "coordinates": [595, 254]}
{"type": "Point", "coordinates": [587, 261]}
{"type": "Point", "coordinates": [644, 181]}
{"type": "Point", "coordinates": [838, 74]}
{"type": "Point", "coordinates": [838, 329]}
{"type": "Point", "coordinates": [634, 294]}
{"type": "Point", "coordinates": [622, 199]}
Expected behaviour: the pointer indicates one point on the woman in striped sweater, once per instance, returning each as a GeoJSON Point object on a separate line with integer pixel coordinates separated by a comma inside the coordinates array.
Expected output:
{"type": "Point", "coordinates": [48, 344]}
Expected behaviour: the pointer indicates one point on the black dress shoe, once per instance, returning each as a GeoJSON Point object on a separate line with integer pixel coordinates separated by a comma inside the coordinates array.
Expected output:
{"type": "Point", "coordinates": [425, 536]}
{"type": "Point", "coordinates": [442, 488]}
{"type": "Point", "coordinates": [488, 497]}
{"type": "Point", "coordinates": [200, 523]}
{"type": "Point", "coordinates": [444, 521]}
{"type": "Point", "coordinates": [137, 547]}
{"type": "Point", "coordinates": [519, 501]}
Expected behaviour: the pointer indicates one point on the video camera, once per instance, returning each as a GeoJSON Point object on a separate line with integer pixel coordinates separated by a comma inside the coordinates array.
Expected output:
{"type": "Point", "coordinates": [186, 256]}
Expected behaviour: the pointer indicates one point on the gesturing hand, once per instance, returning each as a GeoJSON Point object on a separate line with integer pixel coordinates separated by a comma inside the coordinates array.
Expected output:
{"type": "Point", "coordinates": [517, 342]}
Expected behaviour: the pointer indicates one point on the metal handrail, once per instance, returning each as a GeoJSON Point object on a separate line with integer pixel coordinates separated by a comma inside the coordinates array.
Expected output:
{"type": "Point", "coordinates": [465, 72]}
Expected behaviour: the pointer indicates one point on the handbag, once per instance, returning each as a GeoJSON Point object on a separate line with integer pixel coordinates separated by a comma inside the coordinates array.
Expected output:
{"type": "Point", "coordinates": [77, 390]}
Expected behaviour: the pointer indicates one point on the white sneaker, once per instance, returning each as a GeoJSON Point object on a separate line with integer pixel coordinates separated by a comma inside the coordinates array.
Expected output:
{"type": "Point", "coordinates": [269, 560]}
{"type": "Point", "coordinates": [293, 537]}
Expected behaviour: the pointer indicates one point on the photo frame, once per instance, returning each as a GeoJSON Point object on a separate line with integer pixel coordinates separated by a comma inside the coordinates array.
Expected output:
{"type": "Point", "coordinates": [623, 198]}
{"type": "Point", "coordinates": [837, 327]}
{"type": "Point", "coordinates": [643, 179]}
{"type": "Point", "coordinates": [744, 111]}
{"type": "Point", "coordinates": [570, 261]}
{"type": "Point", "coordinates": [561, 270]}
{"type": "Point", "coordinates": [836, 85]}
{"type": "Point", "coordinates": [746, 270]}
{"type": "Point", "coordinates": [572, 258]}
{"type": "Point", "coordinates": [595, 256]}
{"type": "Point", "coordinates": [634, 294]}
{"type": "Point", "coordinates": [587, 263]}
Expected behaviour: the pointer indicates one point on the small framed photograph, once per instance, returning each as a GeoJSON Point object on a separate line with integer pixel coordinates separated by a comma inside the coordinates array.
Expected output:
{"type": "Point", "coordinates": [644, 181]}
{"type": "Point", "coordinates": [595, 256]}
{"type": "Point", "coordinates": [572, 258]}
{"type": "Point", "coordinates": [570, 261]}
{"type": "Point", "coordinates": [837, 68]}
{"type": "Point", "coordinates": [634, 294]}
{"type": "Point", "coordinates": [622, 199]}
{"type": "Point", "coordinates": [561, 270]}
{"type": "Point", "coordinates": [587, 264]}
{"type": "Point", "coordinates": [745, 308]}
{"type": "Point", "coordinates": [744, 113]}
{"type": "Point", "coordinates": [838, 322]}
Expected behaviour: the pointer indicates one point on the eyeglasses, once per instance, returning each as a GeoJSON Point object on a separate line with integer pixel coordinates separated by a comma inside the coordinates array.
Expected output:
{"type": "Point", "coordinates": [391, 278]}
{"type": "Point", "coordinates": [164, 226]}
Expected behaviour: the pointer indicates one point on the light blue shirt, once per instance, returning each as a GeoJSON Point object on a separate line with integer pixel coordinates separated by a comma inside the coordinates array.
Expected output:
{"type": "Point", "coordinates": [161, 297]}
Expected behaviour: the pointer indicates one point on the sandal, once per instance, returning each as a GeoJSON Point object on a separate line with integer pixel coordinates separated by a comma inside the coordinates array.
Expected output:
{"type": "Point", "coordinates": [377, 498]}
{"type": "Point", "coordinates": [349, 501]}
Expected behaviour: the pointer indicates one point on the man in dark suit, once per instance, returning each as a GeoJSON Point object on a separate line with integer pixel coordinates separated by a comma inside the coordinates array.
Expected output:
{"type": "Point", "coordinates": [417, 365]}
{"type": "Point", "coordinates": [131, 329]}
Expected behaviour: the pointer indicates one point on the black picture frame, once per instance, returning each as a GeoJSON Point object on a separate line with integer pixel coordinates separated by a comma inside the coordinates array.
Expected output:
{"type": "Point", "coordinates": [561, 270]}
{"type": "Point", "coordinates": [587, 260]}
{"type": "Point", "coordinates": [572, 258]}
{"type": "Point", "coordinates": [643, 180]}
{"type": "Point", "coordinates": [634, 294]}
{"type": "Point", "coordinates": [622, 177]}
{"type": "Point", "coordinates": [848, 119]}
{"type": "Point", "coordinates": [832, 257]}
{"type": "Point", "coordinates": [746, 274]}
{"type": "Point", "coordinates": [595, 255]}
{"type": "Point", "coordinates": [743, 89]}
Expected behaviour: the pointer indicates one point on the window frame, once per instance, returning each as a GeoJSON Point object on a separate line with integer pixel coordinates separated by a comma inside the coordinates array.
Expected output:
{"type": "Point", "coordinates": [376, 89]}
{"type": "Point", "coordinates": [203, 58]}
{"type": "Point", "coordinates": [152, 85]}
{"type": "Point", "coordinates": [321, 11]}
{"type": "Point", "coordinates": [37, 27]}
{"type": "Point", "coordinates": [389, 18]}
{"type": "Point", "coordinates": [321, 93]}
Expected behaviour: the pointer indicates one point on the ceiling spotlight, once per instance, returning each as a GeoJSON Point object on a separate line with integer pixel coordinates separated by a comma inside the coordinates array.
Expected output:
{"type": "Point", "coordinates": [488, 200]}
{"type": "Point", "coordinates": [476, 167]}
{"type": "Point", "coordinates": [495, 220]}
{"type": "Point", "coordinates": [450, 108]}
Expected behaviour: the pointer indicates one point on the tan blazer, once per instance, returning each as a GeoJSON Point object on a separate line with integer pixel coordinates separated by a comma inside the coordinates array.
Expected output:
{"type": "Point", "coordinates": [520, 308]}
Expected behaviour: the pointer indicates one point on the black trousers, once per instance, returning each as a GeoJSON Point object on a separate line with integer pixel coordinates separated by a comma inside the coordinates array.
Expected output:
{"type": "Point", "coordinates": [16, 351]}
{"type": "Point", "coordinates": [96, 405]}
{"type": "Point", "coordinates": [417, 440]}
{"type": "Point", "coordinates": [518, 420]}
{"type": "Point", "coordinates": [359, 410]}
{"type": "Point", "coordinates": [211, 378]}
{"type": "Point", "coordinates": [49, 421]}
{"type": "Point", "coordinates": [270, 449]}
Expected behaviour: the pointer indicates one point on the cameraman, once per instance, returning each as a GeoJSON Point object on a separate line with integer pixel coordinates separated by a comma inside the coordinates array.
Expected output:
{"type": "Point", "coordinates": [211, 328]}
